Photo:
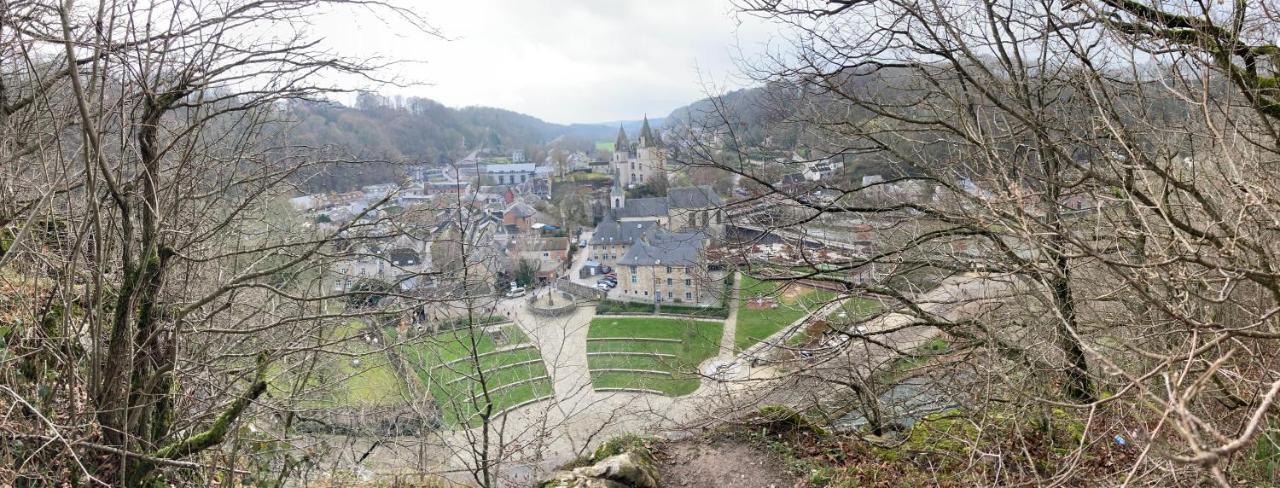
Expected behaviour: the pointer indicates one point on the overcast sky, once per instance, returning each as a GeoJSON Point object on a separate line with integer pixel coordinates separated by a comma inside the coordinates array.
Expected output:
{"type": "Point", "coordinates": [563, 60]}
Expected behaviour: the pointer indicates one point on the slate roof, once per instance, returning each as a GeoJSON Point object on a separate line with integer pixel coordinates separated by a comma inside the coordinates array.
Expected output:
{"type": "Point", "coordinates": [403, 257]}
{"type": "Point", "coordinates": [612, 232]}
{"type": "Point", "coordinates": [546, 244]}
{"type": "Point", "coordinates": [522, 210]}
{"type": "Point", "coordinates": [702, 196]}
{"type": "Point", "coordinates": [660, 247]}
{"type": "Point", "coordinates": [644, 207]}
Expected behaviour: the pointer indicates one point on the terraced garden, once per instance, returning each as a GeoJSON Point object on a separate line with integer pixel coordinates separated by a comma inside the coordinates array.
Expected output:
{"type": "Point", "coordinates": [493, 378]}
{"type": "Point", "coordinates": [657, 355]}
{"type": "Point", "coordinates": [755, 325]}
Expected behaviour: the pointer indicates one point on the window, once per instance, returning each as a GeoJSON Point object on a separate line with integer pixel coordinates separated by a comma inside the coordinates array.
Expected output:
{"type": "Point", "coordinates": [688, 282]}
{"type": "Point", "coordinates": [668, 270]}
{"type": "Point", "coordinates": [633, 269]}
{"type": "Point", "coordinates": [688, 296]}
{"type": "Point", "coordinates": [668, 281]}
{"type": "Point", "coordinates": [646, 293]}
{"type": "Point", "coordinates": [633, 279]}
{"type": "Point", "coordinates": [669, 294]}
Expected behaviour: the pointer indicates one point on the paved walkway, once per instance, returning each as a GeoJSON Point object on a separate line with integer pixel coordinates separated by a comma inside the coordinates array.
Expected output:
{"type": "Point", "coordinates": [730, 323]}
{"type": "Point", "coordinates": [541, 436]}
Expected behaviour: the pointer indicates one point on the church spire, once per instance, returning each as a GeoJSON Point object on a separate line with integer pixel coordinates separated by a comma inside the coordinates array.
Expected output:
{"type": "Point", "coordinates": [646, 134]}
{"type": "Point", "coordinates": [617, 197]}
{"type": "Point", "coordinates": [621, 145]}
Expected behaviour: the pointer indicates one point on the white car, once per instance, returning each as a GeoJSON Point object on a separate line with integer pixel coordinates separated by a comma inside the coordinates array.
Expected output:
{"type": "Point", "coordinates": [516, 292]}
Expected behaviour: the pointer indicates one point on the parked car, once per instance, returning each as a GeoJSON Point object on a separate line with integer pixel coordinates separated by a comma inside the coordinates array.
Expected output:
{"type": "Point", "coordinates": [605, 269]}
{"type": "Point", "coordinates": [603, 286]}
{"type": "Point", "coordinates": [516, 292]}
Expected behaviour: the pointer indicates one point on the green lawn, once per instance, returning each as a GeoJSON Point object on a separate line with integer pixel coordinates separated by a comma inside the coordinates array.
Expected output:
{"type": "Point", "coordinates": [356, 373]}
{"type": "Point", "coordinates": [699, 340]}
{"type": "Point", "coordinates": [854, 309]}
{"type": "Point", "coordinates": [515, 335]}
{"type": "Point", "coordinates": [446, 366]}
{"type": "Point", "coordinates": [756, 325]}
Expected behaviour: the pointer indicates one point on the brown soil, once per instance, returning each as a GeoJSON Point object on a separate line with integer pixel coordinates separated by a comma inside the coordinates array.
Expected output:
{"type": "Point", "coordinates": [791, 292]}
{"type": "Point", "coordinates": [716, 463]}
{"type": "Point", "coordinates": [762, 303]}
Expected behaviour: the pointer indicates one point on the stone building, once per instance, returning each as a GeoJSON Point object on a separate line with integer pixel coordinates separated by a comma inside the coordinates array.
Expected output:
{"type": "Point", "coordinates": [613, 238]}
{"type": "Point", "coordinates": [695, 207]}
{"type": "Point", "coordinates": [667, 267]}
{"type": "Point", "coordinates": [639, 162]}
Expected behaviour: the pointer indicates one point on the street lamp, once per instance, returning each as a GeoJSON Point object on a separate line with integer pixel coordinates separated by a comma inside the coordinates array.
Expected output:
{"type": "Point", "coordinates": [657, 299]}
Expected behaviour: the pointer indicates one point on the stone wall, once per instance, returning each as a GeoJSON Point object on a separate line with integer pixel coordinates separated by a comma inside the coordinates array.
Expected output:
{"type": "Point", "coordinates": [583, 292]}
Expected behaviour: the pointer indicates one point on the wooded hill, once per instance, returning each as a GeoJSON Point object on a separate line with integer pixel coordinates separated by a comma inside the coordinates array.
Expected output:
{"type": "Point", "coordinates": [398, 131]}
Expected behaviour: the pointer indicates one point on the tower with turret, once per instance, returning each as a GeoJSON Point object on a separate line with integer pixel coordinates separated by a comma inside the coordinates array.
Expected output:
{"type": "Point", "coordinates": [638, 162]}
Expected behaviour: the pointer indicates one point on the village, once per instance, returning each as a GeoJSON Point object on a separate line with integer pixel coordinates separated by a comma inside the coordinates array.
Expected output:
{"type": "Point", "coordinates": [573, 289]}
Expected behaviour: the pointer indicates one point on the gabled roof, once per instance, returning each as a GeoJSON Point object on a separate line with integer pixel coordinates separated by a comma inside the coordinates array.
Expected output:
{"type": "Point", "coordinates": [522, 210]}
{"type": "Point", "coordinates": [612, 232]}
{"type": "Point", "coordinates": [702, 196]}
{"type": "Point", "coordinates": [644, 208]}
{"type": "Point", "coordinates": [663, 248]}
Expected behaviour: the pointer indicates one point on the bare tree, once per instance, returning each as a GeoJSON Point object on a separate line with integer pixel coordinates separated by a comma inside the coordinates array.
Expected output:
{"type": "Point", "coordinates": [142, 191]}
{"type": "Point", "coordinates": [1071, 197]}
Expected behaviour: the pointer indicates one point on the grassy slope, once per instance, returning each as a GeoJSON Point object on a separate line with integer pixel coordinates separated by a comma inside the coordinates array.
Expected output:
{"type": "Point", "coordinates": [756, 325]}
{"type": "Point", "coordinates": [701, 340]}
{"type": "Point", "coordinates": [854, 308]}
{"type": "Point", "coordinates": [337, 381]}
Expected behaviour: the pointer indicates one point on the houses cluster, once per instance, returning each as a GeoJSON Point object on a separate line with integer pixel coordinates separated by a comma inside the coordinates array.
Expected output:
{"type": "Point", "coordinates": [658, 244]}
{"type": "Point", "coordinates": [393, 230]}
{"type": "Point", "coordinates": [803, 170]}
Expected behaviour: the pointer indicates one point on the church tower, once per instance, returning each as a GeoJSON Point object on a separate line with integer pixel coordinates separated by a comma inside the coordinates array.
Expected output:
{"type": "Point", "coordinates": [646, 134]}
{"type": "Point", "coordinates": [621, 146]}
{"type": "Point", "coordinates": [617, 197]}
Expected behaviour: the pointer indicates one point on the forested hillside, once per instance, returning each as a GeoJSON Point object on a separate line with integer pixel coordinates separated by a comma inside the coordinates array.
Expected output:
{"type": "Point", "coordinates": [414, 130]}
